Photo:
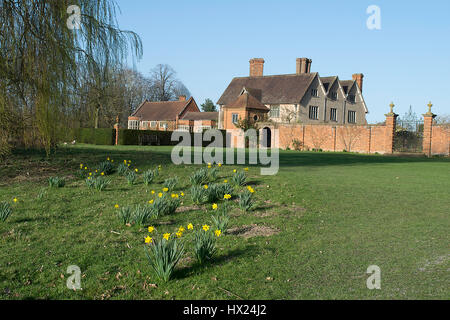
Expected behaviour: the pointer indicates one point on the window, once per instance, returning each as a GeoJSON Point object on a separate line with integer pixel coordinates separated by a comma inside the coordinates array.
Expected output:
{"type": "Point", "coordinates": [133, 124]}
{"type": "Point", "coordinates": [334, 95]}
{"type": "Point", "coordinates": [275, 111]}
{"type": "Point", "coordinates": [314, 112]}
{"type": "Point", "coordinates": [163, 125]}
{"type": "Point", "coordinates": [235, 118]}
{"type": "Point", "coordinates": [333, 114]}
{"type": "Point", "coordinates": [352, 117]}
{"type": "Point", "coordinates": [152, 124]}
{"type": "Point", "coordinates": [351, 98]}
{"type": "Point", "coordinates": [255, 117]}
{"type": "Point", "coordinates": [314, 92]}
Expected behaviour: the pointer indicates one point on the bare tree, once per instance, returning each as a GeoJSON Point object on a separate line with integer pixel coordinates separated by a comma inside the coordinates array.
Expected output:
{"type": "Point", "coordinates": [164, 84]}
{"type": "Point", "coordinates": [349, 135]}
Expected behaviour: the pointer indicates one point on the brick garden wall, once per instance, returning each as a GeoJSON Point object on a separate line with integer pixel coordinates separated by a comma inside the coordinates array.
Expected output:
{"type": "Point", "coordinates": [358, 138]}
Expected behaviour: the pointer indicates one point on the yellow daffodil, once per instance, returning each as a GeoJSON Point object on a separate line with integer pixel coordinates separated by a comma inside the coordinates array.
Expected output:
{"type": "Point", "coordinates": [205, 187]}
{"type": "Point", "coordinates": [102, 173]}
{"type": "Point", "coordinates": [125, 161]}
{"type": "Point", "coordinates": [179, 234]}
{"type": "Point", "coordinates": [116, 206]}
{"type": "Point", "coordinates": [225, 181]}
{"type": "Point", "coordinates": [182, 194]}
{"type": "Point", "coordinates": [137, 170]}
{"type": "Point", "coordinates": [205, 227]}
{"type": "Point", "coordinates": [217, 233]}
{"type": "Point", "coordinates": [173, 195]}
{"type": "Point", "coordinates": [160, 195]}
{"type": "Point", "coordinates": [246, 169]}
{"type": "Point", "coordinates": [85, 168]}
{"type": "Point", "coordinates": [148, 240]}
{"type": "Point", "coordinates": [81, 166]}
{"type": "Point", "coordinates": [90, 174]}
{"type": "Point", "coordinates": [89, 178]}
{"type": "Point", "coordinates": [234, 170]}
{"type": "Point", "coordinates": [166, 236]}
{"type": "Point", "coordinates": [151, 201]}
{"type": "Point", "coordinates": [151, 229]}
{"type": "Point", "coordinates": [227, 196]}
{"type": "Point", "coordinates": [108, 159]}
{"type": "Point", "coordinates": [153, 191]}
{"type": "Point", "coordinates": [128, 164]}
{"type": "Point", "coordinates": [181, 229]}
{"type": "Point", "coordinates": [219, 165]}
{"type": "Point", "coordinates": [96, 171]}
{"type": "Point", "coordinates": [190, 226]}
{"type": "Point", "coordinates": [112, 161]}
{"type": "Point", "coordinates": [166, 189]}
{"type": "Point", "coordinates": [249, 188]}
{"type": "Point", "coordinates": [215, 206]}
{"type": "Point", "coordinates": [15, 200]}
{"type": "Point", "coordinates": [129, 161]}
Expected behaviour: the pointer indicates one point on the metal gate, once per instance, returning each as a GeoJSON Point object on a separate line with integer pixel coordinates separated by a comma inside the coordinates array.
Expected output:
{"type": "Point", "coordinates": [408, 136]}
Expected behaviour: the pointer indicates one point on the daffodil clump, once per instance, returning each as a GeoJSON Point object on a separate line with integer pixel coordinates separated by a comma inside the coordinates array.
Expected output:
{"type": "Point", "coordinates": [56, 182]}
{"type": "Point", "coordinates": [5, 211]}
{"type": "Point", "coordinates": [149, 176]}
{"type": "Point", "coordinates": [246, 201]}
{"type": "Point", "coordinates": [171, 183]}
{"type": "Point", "coordinates": [220, 217]}
{"type": "Point", "coordinates": [164, 251]}
{"type": "Point", "coordinates": [107, 167]}
{"type": "Point", "coordinates": [205, 243]}
{"type": "Point", "coordinates": [131, 177]}
{"type": "Point", "coordinates": [123, 169]}
{"type": "Point", "coordinates": [239, 178]}
{"type": "Point", "coordinates": [199, 177]}
{"type": "Point", "coordinates": [165, 203]}
{"type": "Point", "coordinates": [98, 183]}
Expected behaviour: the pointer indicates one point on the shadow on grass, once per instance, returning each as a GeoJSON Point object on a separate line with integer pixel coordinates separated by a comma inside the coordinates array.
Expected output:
{"type": "Point", "coordinates": [145, 155]}
{"type": "Point", "coordinates": [196, 268]}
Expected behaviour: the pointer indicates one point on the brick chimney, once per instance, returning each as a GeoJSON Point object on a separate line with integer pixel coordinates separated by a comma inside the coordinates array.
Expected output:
{"type": "Point", "coordinates": [303, 65]}
{"type": "Point", "coordinates": [182, 98]}
{"type": "Point", "coordinates": [256, 67]}
{"type": "Point", "coordinates": [358, 77]}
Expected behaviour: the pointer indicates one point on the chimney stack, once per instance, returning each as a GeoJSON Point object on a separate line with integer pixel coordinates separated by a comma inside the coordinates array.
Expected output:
{"type": "Point", "coordinates": [182, 98]}
{"type": "Point", "coordinates": [358, 77]}
{"type": "Point", "coordinates": [256, 67]}
{"type": "Point", "coordinates": [303, 65]}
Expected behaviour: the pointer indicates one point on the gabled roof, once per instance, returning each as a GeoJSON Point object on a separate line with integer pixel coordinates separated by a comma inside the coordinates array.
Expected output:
{"type": "Point", "coordinates": [277, 89]}
{"type": "Point", "coordinates": [194, 116]}
{"type": "Point", "coordinates": [161, 110]}
{"type": "Point", "coordinates": [247, 101]}
{"type": "Point", "coordinates": [347, 83]}
{"type": "Point", "coordinates": [328, 82]}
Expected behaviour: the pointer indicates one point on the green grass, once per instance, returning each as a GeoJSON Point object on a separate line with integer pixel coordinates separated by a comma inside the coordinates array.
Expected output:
{"type": "Point", "coordinates": [335, 214]}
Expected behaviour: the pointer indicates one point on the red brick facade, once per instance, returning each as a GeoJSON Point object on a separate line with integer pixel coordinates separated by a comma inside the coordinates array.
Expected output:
{"type": "Point", "coordinates": [436, 138]}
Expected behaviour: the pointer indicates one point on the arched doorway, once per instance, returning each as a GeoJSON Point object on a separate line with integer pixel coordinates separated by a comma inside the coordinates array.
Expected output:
{"type": "Point", "coordinates": [267, 138]}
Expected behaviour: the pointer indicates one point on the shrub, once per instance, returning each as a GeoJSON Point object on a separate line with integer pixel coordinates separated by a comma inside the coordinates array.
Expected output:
{"type": "Point", "coordinates": [164, 255]}
{"type": "Point", "coordinates": [171, 183]}
{"type": "Point", "coordinates": [148, 177]}
{"type": "Point", "coordinates": [165, 205]}
{"type": "Point", "coordinates": [246, 201]}
{"type": "Point", "coordinates": [204, 245]}
{"type": "Point", "coordinates": [101, 136]}
{"type": "Point", "coordinates": [297, 144]}
{"type": "Point", "coordinates": [122, 169]}
{"type": "Point", "coordinates": [106, 167]}
{"type": "Point", "coordinates": [131, 177]}
{"type": "Point", "coordinates": [125, 215]}
{"type": "Point", "coordinates": [142, 215]}
{"type": "Point", "coordinates": [199, 177]}
{"type": "Point", "coordinates": [56, 182]}
{"type": "Point", "coordinates": [239, 178]}
{"type": "Point", "coordinates": [5, 211]}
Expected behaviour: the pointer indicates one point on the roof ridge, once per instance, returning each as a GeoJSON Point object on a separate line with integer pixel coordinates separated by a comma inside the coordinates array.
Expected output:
{"type": "Point", "coordinates": [280, 75]}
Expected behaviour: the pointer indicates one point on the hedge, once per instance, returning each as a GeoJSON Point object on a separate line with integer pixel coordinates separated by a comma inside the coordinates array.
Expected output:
{"type": "Point", "coordinates": [150, 137]}
{"type": "Point", "coordinates": [95, 136]}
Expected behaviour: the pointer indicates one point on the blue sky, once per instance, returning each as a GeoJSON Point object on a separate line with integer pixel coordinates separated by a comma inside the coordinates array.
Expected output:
{"type": "Point", "coordinates": [210, 42]}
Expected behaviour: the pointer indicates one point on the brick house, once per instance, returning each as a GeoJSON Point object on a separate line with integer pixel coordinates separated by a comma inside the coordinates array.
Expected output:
{"type": "Point", "coordinates": [303, 97]}
{"type": "Point", "coordinates": [198, 121]}
{"type": "Point", "coordinates": [161, 115]}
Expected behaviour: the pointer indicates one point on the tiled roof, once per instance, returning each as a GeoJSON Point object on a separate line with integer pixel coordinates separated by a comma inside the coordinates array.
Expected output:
{"type": "Point", "coordinates": [201, 116]}
{"type": "Point", "coordinates": [247, 101]}
{"type": "Point", "coordinates": [161, 110]}
{"type": "Point", "coordinates": [289, 88]}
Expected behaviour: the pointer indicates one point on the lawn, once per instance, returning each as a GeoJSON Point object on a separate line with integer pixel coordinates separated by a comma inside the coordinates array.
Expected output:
{"type": "Point", "coordinates": [317, 226]}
